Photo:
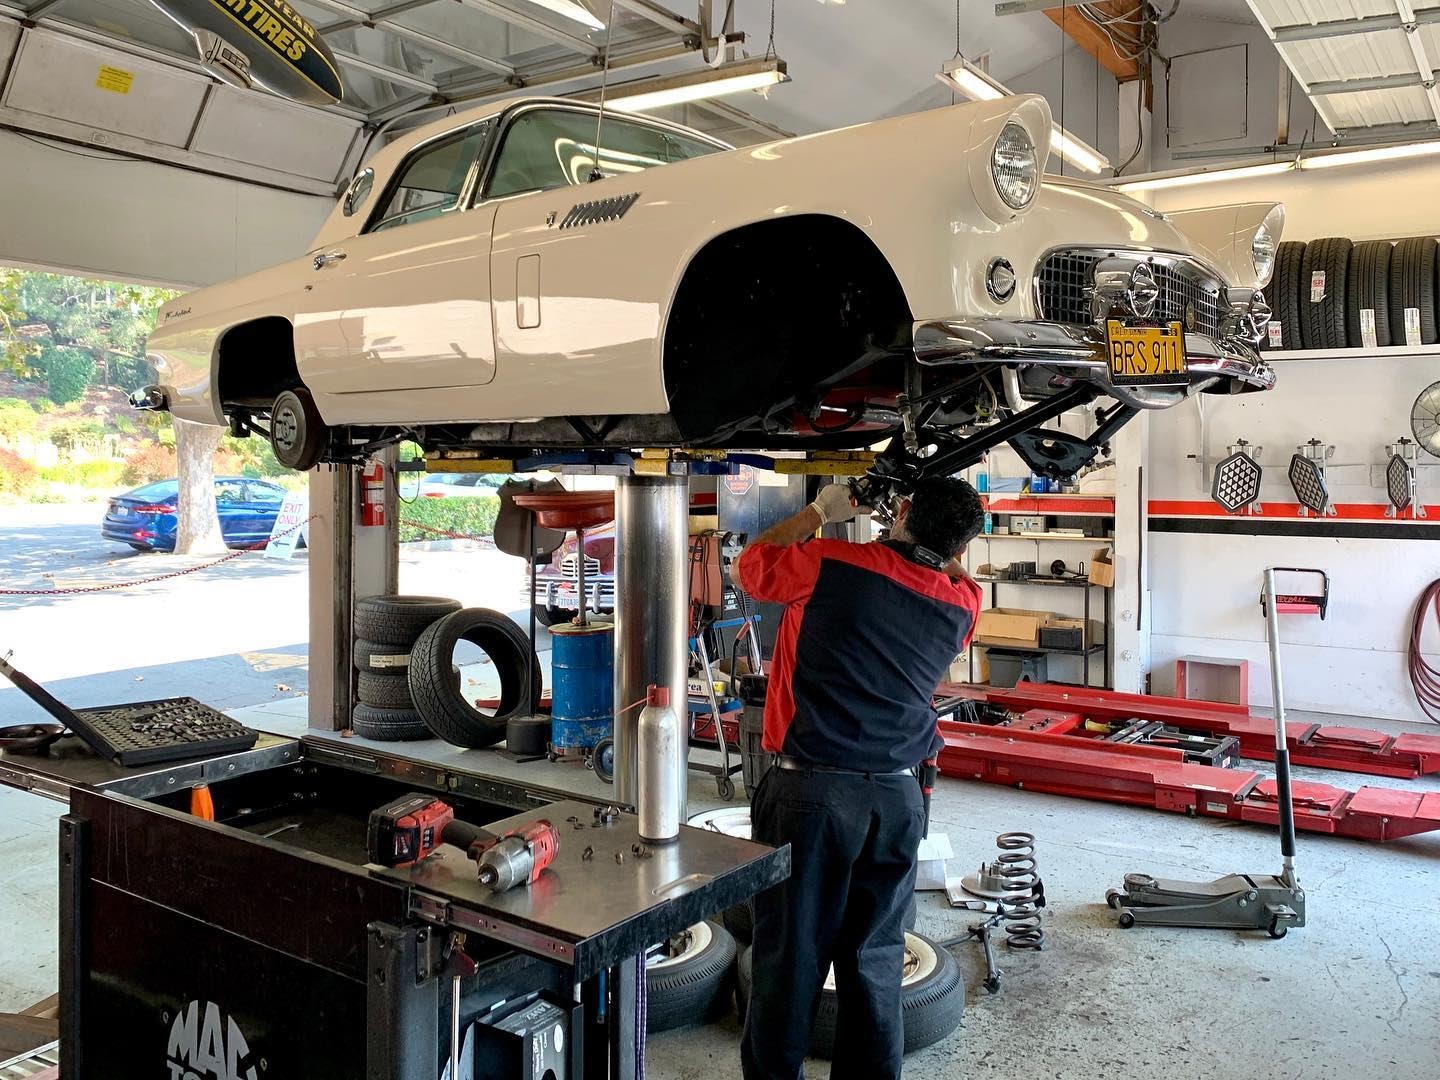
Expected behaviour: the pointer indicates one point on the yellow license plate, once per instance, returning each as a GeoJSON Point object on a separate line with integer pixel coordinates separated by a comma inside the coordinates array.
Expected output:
{"type": "Point", "coordinates": [1145, 354]}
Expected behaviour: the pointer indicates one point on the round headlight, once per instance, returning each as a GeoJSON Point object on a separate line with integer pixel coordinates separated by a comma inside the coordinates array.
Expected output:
{"type": "Point", "coordinates": [1262, 252]}
{"type": "Point", "coordinates": [1014, 166]}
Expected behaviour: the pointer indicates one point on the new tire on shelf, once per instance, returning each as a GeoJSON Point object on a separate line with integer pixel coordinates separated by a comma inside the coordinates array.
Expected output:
{"type": "Point", "coordinates": [1284, 294]}
{"type": "Point", "coordinates": [437, 691]}
{"type": "Point", "coordinates": [693, 985]}
{"type": "Point", "coordinates": [932, 997]}
{"type": "Point", "coordinates": [1413, 288]}
{"type": "Point", "coordinates": [1324, 277]}
{"type": "Point", "coordinates": [1369, 291]}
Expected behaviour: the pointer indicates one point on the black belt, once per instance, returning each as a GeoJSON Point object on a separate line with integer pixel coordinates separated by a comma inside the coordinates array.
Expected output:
{"type": "Point", "coordinates": [784, 761]}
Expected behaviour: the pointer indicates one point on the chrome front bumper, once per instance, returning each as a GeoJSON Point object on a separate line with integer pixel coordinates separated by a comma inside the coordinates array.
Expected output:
{"type": "Point", "coordinates": [1051, 356]}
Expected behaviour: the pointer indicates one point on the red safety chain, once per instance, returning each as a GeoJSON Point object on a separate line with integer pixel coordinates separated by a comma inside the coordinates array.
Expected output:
{"type": "Point", "coordinates": [447, 532]}
{"type": "Point", "coordinates": [158, 577]}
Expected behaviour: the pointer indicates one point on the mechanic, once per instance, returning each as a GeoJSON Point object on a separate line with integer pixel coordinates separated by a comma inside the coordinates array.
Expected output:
{"type": "Point", "coordinates": [867, 635]}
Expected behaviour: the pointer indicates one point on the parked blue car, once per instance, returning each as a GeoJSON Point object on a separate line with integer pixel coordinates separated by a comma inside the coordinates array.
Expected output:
{"type": "Point", "coordinates": [145, 518]}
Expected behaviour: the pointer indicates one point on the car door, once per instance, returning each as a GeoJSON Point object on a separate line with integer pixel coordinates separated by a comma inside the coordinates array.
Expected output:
{"type": "Point", "coordinates": [581, 270]}
{"type": "Point", "coordinates": [415, 284]}
{"type": "Point", "coordinates": [231, 507]}
{"type": "Point", "coordinates": [262, 504]}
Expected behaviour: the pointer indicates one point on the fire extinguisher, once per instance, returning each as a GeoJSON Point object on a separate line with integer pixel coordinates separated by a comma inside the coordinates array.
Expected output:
{"type": "Point", "coordinates": [372, 494]}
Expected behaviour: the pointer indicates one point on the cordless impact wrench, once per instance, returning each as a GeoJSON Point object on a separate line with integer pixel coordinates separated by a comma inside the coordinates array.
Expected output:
{"type": "Point", "coordinates": [410, 829]}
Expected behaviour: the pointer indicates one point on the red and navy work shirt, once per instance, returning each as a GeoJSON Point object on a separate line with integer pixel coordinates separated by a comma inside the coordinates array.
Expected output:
{"type": "Point", "coordinates": [866, 637]}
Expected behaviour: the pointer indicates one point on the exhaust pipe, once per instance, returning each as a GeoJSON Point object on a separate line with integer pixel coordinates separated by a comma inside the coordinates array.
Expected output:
{"type": "Point", "coordinates": [151, 398]}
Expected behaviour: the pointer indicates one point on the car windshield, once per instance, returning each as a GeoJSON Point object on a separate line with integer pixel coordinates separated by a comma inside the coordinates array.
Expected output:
{"type": "Point", "coordinates": [550, 148]}
{"type": "Point", "coordinates": [158, 491]}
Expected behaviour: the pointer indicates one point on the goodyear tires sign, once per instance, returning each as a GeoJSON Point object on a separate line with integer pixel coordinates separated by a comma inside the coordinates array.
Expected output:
{"type": "Point", "coordinates": [264, 43]}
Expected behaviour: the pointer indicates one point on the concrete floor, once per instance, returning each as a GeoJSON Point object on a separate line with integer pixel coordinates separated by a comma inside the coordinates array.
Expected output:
{"type": "Point", "coordinates": [1355, 992]}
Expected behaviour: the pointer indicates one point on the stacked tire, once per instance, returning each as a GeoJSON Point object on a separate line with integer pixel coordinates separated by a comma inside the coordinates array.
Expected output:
{"type": "Point", "coordinates": [443, 706]}
{"type": "Point", "coordinates": [386, 629]}
{"type": "Point", "coordinates": [1332, 294]}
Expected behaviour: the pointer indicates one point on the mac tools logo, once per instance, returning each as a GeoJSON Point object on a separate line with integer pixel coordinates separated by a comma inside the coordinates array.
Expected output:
{"type": "Point", "coordinates": [205, 1044]}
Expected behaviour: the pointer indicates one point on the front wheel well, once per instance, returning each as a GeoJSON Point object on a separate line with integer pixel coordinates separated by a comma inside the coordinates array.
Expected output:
{"type": "Point", "coordinates": [768, 314]}
{"type": "Point", "coordinates": [256, 362]}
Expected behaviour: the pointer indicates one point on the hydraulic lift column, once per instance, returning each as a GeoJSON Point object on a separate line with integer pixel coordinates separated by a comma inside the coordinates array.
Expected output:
{"type": "Point", "coordinates": [651, 594]}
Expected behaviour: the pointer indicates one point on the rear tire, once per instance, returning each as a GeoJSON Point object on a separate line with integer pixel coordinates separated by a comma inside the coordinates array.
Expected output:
{"type": "Point", "coordinates": [297, 434]}
{"type": "Point", "coordinates": [1369, 289]}
{"type": "Point", "coordinates": [1413, 285]}
{"type": "Point", "coordinates": [1285, 296]}
{"type": "Point", "coordinates": [1322, 321]}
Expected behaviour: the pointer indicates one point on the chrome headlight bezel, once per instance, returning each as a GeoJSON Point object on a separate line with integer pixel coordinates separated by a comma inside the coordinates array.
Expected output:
{"type": "Point", "coordinates": [1265, 243]}
{"type": "Point", "coordinates": [1015, 166]}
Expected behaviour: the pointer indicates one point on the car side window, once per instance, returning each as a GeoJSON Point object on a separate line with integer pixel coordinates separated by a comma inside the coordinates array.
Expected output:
{"type": "Point", "coordinates": [550, 148]}
{"type": "Point", "coordinates": [266, 493]}
{"type": "Point", "coordinates": [431, 181]}
{"type": "Point", "coordinates": [229, 491]}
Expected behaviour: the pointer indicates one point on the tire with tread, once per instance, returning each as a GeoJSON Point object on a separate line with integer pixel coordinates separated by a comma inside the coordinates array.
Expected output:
{"type": "Point", "coordinates": [1413, 284]}
{"type": "Point", "coordinates": [437, 692]}
{"type": "Point", "coordinates": [399, 620]}
{"type": "Point", "coordinates": [380, 657]}
{"type": "Point", "coordinates": [388, 725]}
{"type": "Point", "coordinates": [384, 691]}
{"type": "Point", "coordinates": [1322, 322]}
{"type": "Point", "coordinates": [1369, 288]}
{"type": "Point", "coordinates": [692, 989]}
{"type": "Point", "coordinates": [1284, 293]}
{"type": "Point", "coordinates": [931, 1006]}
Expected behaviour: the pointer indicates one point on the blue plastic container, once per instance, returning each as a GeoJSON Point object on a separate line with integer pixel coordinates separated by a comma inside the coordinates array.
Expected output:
{"type": "Point", "coordinates": [582, 676]}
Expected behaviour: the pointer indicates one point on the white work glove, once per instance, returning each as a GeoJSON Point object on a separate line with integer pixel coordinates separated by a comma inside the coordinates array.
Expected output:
{"type": "Point", "coordinates": [834, 504]}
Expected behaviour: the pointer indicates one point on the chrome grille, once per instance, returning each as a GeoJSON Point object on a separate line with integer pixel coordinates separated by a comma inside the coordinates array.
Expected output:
{"type": "Point", "coordinates": [1065, 278]}
{"type": "Point", "coordinates": [570, 565]}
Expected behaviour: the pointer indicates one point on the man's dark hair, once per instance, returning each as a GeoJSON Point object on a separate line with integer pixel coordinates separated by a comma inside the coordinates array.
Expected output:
{"type": "Point", "coordinates": [945, 515]}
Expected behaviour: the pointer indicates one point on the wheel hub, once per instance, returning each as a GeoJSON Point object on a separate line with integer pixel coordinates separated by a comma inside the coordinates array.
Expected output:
{"type": "Point", "coordinates": [284, 426]}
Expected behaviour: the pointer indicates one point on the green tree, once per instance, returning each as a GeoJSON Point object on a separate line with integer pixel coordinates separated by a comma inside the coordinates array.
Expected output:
{"type": "Point", "coordinates": [67, 371]}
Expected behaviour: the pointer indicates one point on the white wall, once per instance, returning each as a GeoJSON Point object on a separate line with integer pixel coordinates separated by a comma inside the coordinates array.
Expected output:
{"type": "Point", "coordinates": [84, 211]}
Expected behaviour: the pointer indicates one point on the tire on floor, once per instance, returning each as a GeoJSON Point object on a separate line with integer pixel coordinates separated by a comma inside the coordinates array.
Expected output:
{"type": "Point", "coordinates": [399, 620]}
{"type": "Point", "coordinates": [694, 985]}
{"type": "Point", "coordinates": [388, 725]}
{"type": "Point", "coordinates": [384, 691]}
{"type": "Point", "coordinates": [380, 657]}
{"type": "Point", "coordinates": [436, 689]}
{"type": "Point", "coordinates": [932, 997]}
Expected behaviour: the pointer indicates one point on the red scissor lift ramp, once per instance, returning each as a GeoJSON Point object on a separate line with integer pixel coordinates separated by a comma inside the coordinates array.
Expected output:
{"type": "Point", "coordinates": [1051, 739]}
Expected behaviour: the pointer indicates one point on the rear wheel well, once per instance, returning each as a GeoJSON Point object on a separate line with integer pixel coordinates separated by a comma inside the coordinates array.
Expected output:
{"type": "Point", "coordinates": [770, 313]}
{"type": "Point", "coordinates": [256, 362]}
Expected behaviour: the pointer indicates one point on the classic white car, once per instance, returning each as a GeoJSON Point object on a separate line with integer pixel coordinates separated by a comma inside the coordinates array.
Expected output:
{"type": "Point", "coordinates": [531, 276]}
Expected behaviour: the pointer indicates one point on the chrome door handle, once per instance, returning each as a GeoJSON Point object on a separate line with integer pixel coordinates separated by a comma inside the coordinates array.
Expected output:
{"type": "Point", "coordinates": [325, 258]}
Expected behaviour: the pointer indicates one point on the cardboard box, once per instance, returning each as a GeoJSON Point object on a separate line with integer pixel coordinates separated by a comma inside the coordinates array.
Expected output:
{"type": "Point", "coordinates": [1102, 568]}
{"type": "Point", "coordinates": [1011, 627]}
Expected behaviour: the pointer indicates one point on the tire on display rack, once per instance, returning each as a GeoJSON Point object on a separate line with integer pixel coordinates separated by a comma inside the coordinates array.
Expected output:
{"type": "Point", "coordinates": [1284, 294]}
{"type": "Point", "coordinates": [380, 658]}
{"type": "Point", "coordinates": [388, 725]}
{"type": "Point", "coordinates": [692, 986]}
{"type": "Point", "coordinates": [437, 692]}
{"type": "Point", "coordinates": [399, 620]}
{"type": "Point", "coordinates": [1413, 287]}
{"type": "Point", "coordinates": [384, 691]}
{"type": "Point", "coordinates": [1324, 273]}
{"type": "Point", "coordinates": [1368, 290]}
{"type": "Point", "coordinates": [932, 997]}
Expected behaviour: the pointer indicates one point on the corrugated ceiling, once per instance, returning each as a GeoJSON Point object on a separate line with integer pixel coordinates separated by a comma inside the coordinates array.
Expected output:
{"type": "Point", "coordinates": [1387, 49]}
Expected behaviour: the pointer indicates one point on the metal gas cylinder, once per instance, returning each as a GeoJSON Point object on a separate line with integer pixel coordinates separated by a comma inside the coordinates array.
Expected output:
{"type": "Point", "coordinates": [660, 777]}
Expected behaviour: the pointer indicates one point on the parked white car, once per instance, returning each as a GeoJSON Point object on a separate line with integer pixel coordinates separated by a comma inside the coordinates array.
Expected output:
{"type": "Point", "coordinates": [494, 279]}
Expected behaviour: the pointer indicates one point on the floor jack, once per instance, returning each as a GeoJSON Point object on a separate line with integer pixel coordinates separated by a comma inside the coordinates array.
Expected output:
{"type": "Point", "coordinates": [1239, 901]}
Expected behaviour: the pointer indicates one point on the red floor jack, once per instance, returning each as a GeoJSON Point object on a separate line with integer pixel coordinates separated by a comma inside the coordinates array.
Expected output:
{"type": "Point", "coordinates": [1240, 901]}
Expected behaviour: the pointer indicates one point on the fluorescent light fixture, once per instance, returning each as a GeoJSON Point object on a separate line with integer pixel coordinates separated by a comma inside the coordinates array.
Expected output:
{"type": "Point", "coordinates": [1160, 183]}
{"type": "Point", "coordinates": [969, 81]}
{"type": "Point", "coordinates": [1374, 153]}
{"type": "Point", "coordinates": [645, 94]}
{"type": "Point", "coordinates": [569, 9]}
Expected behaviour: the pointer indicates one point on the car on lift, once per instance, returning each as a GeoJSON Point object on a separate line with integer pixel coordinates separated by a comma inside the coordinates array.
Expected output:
{"type": "Point", "coordinates": [145, 517]}
{"type": "Point", "coordinates": [538, 275]}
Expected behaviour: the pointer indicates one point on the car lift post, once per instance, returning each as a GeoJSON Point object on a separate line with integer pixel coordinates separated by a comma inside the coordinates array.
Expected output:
{"type": "Point", "coordinates": [651, 596]}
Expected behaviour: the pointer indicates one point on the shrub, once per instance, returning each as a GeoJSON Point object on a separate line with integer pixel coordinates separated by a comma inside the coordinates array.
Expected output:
{"type": "Point", "coordinates": [67, 436]}
{"type": "Point", "coordinates": [468, 515]}
{"type": "Point", "coordinates": [17, 419]}
{"type": "Point", "coordinates": [102, 475]}
{"type": "Point", "coordinates": [67, 371]}
{"type": "Point", "coordinates": [149, 463]}
{"type": "Point", "coordinates": [17, 475]}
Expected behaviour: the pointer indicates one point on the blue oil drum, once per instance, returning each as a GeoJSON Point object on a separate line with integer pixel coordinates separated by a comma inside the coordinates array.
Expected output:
{"type": "Point", "coordinates": [582, 695]}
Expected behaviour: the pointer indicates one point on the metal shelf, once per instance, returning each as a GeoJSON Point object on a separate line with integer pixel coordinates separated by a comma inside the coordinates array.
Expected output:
{"type": "Point", "coordinates": [1047, 536]}
{"type": "Point", "coordinates": [1389, 352]}
{"type": "Point", "coordinates": [1048, 583]}
{"type": "Point", "coordinates": [1091, 651]}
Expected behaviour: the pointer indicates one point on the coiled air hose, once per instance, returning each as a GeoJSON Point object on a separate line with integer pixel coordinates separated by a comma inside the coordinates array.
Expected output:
{"type": "Point", "coordinates": [1424, 676]}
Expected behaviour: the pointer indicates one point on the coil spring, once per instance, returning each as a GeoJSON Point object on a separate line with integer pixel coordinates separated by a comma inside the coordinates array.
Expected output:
{"type": "Point", "coordinates": [1016, 864]}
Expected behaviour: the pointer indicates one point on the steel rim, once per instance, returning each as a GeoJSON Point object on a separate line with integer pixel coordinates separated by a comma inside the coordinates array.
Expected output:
{"type": "Point", "coordinates": [284, 428]}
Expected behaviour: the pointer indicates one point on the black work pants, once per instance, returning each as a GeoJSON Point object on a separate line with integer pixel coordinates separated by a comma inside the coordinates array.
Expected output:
{"type": "Point", "coordinates": [853, 839]}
